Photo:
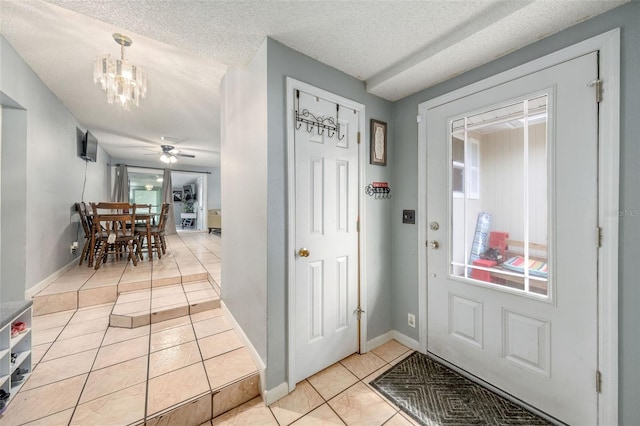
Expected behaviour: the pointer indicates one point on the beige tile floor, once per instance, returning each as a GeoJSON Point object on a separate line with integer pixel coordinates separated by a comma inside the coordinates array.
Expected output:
{"type": "Point", "coordinates": [338, 395]}
{"type": "Point", "coordinates": [177, 372]}
{"type": "Point", "coordinates": [103, 375]}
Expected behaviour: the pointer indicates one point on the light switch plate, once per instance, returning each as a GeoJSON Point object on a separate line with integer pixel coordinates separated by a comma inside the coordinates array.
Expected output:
{"type": "Point", "coordinates": [409, 216]}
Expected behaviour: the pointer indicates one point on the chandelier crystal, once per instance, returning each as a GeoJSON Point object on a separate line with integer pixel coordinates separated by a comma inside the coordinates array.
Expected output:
{"type": "Point", "coordinates": [123, 81]}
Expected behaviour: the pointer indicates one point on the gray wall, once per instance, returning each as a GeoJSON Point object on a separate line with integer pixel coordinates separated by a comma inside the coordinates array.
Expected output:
{"type": "Point", "coordinates": [404, 239]}
{"type": "Point", "coordinates": [283, 62]}
{"type": "Point", "coordinates": [244, 196]}
{"type": "Point", "coordinates": [49, 175]}
{"type": "Point", "coordinates": [13, 258]}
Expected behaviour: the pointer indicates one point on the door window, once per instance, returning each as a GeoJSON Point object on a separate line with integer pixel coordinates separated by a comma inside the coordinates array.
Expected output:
{"type": "Point", "coordinates": [499, 196]}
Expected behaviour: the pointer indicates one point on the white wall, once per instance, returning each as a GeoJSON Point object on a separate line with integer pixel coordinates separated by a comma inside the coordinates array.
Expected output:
{"type": "Point", "coordinates": [51, 174]}
{"type": "Point", "coordinates": [214, 190]}
{"type": "Point", "coordinates": [502, 181]}
{"type": "Point", "coordinates": [244, 197]}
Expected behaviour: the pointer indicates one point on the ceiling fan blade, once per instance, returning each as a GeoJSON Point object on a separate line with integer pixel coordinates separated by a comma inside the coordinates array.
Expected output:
{"type": "Point", "coordinates": [185, 155]}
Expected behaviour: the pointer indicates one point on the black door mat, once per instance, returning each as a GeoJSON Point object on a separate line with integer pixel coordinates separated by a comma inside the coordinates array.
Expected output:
{"type": "Point", "coordinates": [434, 395]}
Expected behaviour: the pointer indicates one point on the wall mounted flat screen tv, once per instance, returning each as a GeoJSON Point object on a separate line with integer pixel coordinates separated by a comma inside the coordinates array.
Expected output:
{"type": "Point", "coordinates": [87, 145]}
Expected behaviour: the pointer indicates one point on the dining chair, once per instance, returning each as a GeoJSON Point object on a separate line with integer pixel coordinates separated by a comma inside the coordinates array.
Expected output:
{"type": "Point", "coordinates": [144, 221]}
{"type": "Point", "coordinates": [164, 215]}
{"type": "Point", "coordinates": [114, 224]}
{"type": "Point", "coordinates": [87, 226]}
{"type": "Point", "coordinates": [156, 232]}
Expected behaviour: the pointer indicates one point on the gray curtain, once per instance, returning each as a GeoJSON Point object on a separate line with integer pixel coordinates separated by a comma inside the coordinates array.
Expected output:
{"type": "Point", "coordinates": [167, 197]}
{"type": "Point", "coordinates": [121, 186]}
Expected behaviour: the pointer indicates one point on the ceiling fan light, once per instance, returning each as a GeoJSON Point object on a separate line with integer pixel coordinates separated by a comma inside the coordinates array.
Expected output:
{"type": "Point", "coordinates": [165, 158]}
{"type": "Point", "coordinates": [173, 159]}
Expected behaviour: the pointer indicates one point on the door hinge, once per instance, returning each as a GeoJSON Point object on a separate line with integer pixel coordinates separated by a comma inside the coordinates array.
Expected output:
{"type": "Point", "coordinates": [358, 138]}
{"type": "Point", "coordinates": [598, 382]}
{"type": "Point", "coordinates": [418, 119]}
{"type": "Point", "coordinates": [598, 236]}
{"type": "Point", "coordinates": [357, 225]}
{"type": "Point", "coordinates": [359, 312]}
{"type": "Point", "coordinates": [598, 86]}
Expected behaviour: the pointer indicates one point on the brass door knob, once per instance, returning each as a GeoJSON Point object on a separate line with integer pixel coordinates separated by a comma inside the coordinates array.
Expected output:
{"type": "Point", "coordinates": [303, 252]}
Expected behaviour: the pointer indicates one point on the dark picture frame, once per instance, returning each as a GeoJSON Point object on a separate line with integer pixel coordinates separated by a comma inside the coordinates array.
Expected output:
{"type": "Point", "coordinates": [378, 145]}
{"type": "Point", "coordinates": [177, 196]}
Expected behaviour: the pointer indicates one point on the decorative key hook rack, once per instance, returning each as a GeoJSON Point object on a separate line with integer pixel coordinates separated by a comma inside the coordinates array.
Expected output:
{"type": "Point", "coordinates": [379, 190]}
{"type": "Point", "coordinates": [321, 124]}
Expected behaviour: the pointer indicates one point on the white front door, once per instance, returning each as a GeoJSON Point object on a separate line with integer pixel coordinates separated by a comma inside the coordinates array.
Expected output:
{"type": "Point", "coordinates": [326, 235]}
{"type": "Point", "coordinates": [512, 259]}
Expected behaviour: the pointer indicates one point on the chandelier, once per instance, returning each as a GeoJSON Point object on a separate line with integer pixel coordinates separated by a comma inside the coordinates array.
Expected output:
{"type": "Point", "coordinates": [122, 80]}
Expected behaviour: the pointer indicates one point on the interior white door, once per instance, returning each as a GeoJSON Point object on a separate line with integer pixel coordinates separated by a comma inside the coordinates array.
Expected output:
{"type": "Point", "coordinates": [521, 159]}
{"type": "Point", "coordinates": [326, 265]}
{"type": "Point", "coordinates": [201, 183]}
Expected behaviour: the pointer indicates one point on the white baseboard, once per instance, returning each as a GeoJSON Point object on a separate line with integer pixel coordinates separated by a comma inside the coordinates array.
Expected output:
{"type": "Point", "coordinates": [405, 340]}
{"type": "Point", "coordinates": [390, 335]}
{"type": "Point", "coordinates": [243, 337]}
{"type": "Point", "coordinates": [272, 395]}
{"type": "Point", "coordinates": [252, 351]}
{"type": "Point", "coordinates": [378, 341]}
{"type": "Point", "coordinates": [33, 290]}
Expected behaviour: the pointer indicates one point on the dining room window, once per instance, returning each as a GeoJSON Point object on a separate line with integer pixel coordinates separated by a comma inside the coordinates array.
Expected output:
{"type": "Point", "coordinates": [147, 196]}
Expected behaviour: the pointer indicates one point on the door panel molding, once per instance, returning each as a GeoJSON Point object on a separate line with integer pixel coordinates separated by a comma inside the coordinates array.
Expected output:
{"type": "Point", "coordinates": [608, 47]}
{"type": "Point", "coordinates": [291, 86]}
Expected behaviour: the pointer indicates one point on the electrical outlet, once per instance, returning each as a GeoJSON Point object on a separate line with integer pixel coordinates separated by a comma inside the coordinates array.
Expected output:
{"type": "Point", "coordinates": [411, 320]}
{"type": "Point", "coordinates": [73, 249]}
{"type": "Point", "coordinates": [74, 244]}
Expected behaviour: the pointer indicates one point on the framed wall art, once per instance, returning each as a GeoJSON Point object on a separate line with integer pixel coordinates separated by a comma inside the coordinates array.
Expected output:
{"type": "Point", "coordinates": [378, 146]}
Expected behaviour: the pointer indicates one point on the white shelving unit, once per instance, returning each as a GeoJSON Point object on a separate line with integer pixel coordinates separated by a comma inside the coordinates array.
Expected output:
{"type": "Point", "coordinates": [20, 346]}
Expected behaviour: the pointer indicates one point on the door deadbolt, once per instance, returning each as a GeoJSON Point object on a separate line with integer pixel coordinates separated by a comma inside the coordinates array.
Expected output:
{"type": "Point", "coordinates": [434, 244]}
{"type": "Point", "coordinates": [303, 252]}
{"type": "Point", "coordinates": [434, 226]}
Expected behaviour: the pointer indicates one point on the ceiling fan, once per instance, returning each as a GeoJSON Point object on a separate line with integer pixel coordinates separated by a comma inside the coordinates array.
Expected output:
{"type": "Point", "coordinates": [170, 154]}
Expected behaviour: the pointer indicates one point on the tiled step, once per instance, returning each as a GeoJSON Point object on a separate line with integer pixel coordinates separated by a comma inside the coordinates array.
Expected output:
{"type": "Point", "coordinates": [142, 307]}
{"type": "Point", "coordinates": [82, 286]}
{"type": "Point", "coordinates": [204, 408]}
{"type": "Point", "coordinates": [184, 371]}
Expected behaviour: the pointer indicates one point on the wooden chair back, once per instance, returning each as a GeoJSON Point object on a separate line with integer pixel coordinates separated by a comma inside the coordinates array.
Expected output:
{"type": "Point", "coordinates": [164, 214]}
{"type": "Point", "coordinates": [143, 208]}
{"type": "Point", "coordinates": [114, 224]}
{"type": "Point", "coordinates": [114, 218]}
{"type": "Point", "coordinates": [84, 219]}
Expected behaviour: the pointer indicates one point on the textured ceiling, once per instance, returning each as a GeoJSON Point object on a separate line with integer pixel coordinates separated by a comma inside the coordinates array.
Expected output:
{"type": "Point", "coordinates": [396, 47]}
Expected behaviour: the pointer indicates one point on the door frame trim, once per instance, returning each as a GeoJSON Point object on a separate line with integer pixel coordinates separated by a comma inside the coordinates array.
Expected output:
{"type": "Point", "coordinates": [291, 85]}
{"type": "Point", "coordinates": [608, 46]}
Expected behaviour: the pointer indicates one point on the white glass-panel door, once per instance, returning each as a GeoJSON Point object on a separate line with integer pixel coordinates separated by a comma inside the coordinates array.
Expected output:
{"type": "Point", "coordinates": [499, 179]}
